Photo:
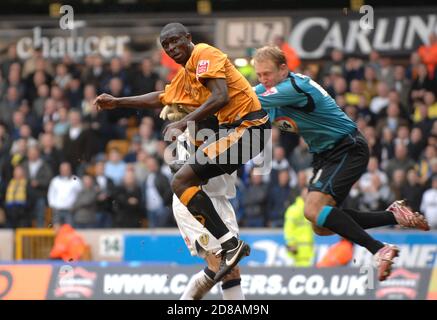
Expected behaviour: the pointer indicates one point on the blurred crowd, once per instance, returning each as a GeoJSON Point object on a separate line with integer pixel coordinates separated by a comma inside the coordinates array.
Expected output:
{"type": "Point", "coordinates": [63, 162]}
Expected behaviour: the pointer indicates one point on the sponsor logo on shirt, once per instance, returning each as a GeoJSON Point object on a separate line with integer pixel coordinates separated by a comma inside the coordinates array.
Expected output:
{"type": "Point", "coordinates": [286, 124]}
{"type": "Point", "coordinates": [269, 92]}
{"type": "Point", "coordinates": [202, 66]}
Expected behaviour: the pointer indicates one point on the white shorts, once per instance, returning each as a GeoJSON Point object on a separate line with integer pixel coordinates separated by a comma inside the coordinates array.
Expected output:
{"type": "Point", "coordinates": [193, 231]}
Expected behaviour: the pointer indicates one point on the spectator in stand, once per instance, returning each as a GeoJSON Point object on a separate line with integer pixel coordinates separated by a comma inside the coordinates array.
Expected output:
{"type": "Point", "coordinates": [25, 133]}
{"type": "Point", "coordinates": [157, 195]}
{"type": "Point", "coordinates": [336, 62]}
{"type": "Point", "coordinates": [127, 203]}
{"type": "Point", "coordinates": [417, 144]}
{"type": "Point", "coordinates": [14, 79]}
{"type": "Point", "coordinates": [386, 72]}
{"type": "Point", "coordinates": [57, 94]}
{"type": "Point", "coordinates": [78, 144]}
{"type": "Point", "coordinates": [421, 118]}
{"type": "Point", "coordinates": [254, 200]}
{"type": "Point", "coordinates": [421, 84]}
{"type": "Point", "coordinates": [62, 76]}
{"type": "Point", "coordinates": [428, 182]}
{"type": "Point", "coordinates": [370, 82]}
{"type": "Point", "coordinates": [30, 118]}
{"type": "Point", "coordinates": [280, 163]}
{"type": "Point", "coordinates": [402, 136]}
{"type": "Point", "coordinates": [134, 148]}
{"type": "Point", "coordinates": [49, 153]}
{"type": "Point", "coordinates": [402, 84]}
{"type": "Point", "coordinates": [62, 194]}
{"type": "Point", "coordinates": [278, 200]}
{"type": "Point", "coordinates": [413, 66]}
{"type": "Point", "coordinates": [11, 58]}
{"type": "Point", "coordinates": [140, 166]}
{"type": "Point", "coordinates": [424, 166]}
{"type": "Point", "coordinates": [62, 124]}
{"type": "Point", "coordinates": [116, 71]}
{"type": "Point", "coordinates": [301, 158]}
{"type": "Point", "coordinates": [356, 91]}
{"type": "Point", "coordinates": [85, 206]}
{"type": "Point", "coordinates": [93, 73]}
{"type": "Point", "coordinates": [393, 120]}
{"type": "Point", "coordinates": [74, 93]}
{"type": "Point", "coordinates": [148, 141]}
{"type": "Point", "coordinates": [5, 143]}
{"type": "Point", "coordinates": [429, 204]}
{"type": "Point", "coordinates": [105, 191]}
{"type": "Point", "coordinates": [428, 54]}
{"type": "Point", "coordinates": [39, 175]}
{"type": "Point", "coordinates": [115, 167]}
{"type": "Point", "coordinates": [397, 183]}
{"type": "Point", "coordinates": [339, 87]}
{"type": "Point", "coordinates": [380, 101]}
{"type": "Point", "coordinates": [39, 103]}
{"type": "Point", "coordinates": [412, 191]}
{"type": "Point", "coordinates": [354, 69]}
{"type": "Point", "coordinates": [12, 160]}
{"type": "Point", "coordinates": [18, 200]}
{"type": "Point", "coordinates": [373, 142]}
{"type": "Point", "coordinates": [401, 161]}
{"type": "Point", "coordinates": [430, 101]}
{"type": "Point", "coordinates": [89, 94]}
{"type": "Point", "coordinates": [146, 80]}
{"type": "Point", "coordinates": [374, 187]}
{"type": "Point", "coordinates": [9, 104]}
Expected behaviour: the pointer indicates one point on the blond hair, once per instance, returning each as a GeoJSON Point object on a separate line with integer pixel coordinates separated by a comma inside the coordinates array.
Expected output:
{"type": "Point", "coordinates": [272, 53]}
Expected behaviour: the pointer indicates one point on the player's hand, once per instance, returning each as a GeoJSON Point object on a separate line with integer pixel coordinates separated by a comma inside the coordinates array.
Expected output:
{"type": "Point", "coordinates": [105, 102]}
{"type": "Point", "coordinates": [174, 129]}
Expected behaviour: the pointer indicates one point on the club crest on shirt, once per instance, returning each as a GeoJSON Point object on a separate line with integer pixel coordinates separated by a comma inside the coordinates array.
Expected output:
{"type": "Point", "coordinates": [204, 239]}
{"type": "Point", "coordinates": [202, 66]}
{"type": "Point", "coordinates": [269, 92]}
{"type": "Point", "coordinates": [286, 124]}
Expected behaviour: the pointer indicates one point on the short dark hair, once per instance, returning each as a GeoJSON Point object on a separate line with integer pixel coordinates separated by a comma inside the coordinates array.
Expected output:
{"type": "Point", "coordinates": [179, 27]}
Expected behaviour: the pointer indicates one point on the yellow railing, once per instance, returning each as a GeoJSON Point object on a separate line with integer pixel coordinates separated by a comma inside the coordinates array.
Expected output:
{"type": "Point", "coordinates": [33, 243]}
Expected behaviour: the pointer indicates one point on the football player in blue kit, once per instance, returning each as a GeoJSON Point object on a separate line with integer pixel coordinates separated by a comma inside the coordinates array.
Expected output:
{"type": "Point", "coordinates": [298, 104]}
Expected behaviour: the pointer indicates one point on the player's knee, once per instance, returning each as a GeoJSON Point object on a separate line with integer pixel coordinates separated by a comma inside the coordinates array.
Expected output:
{"type": "Point", "coordinates": [178, 183]}
{"type": "Point", "coordinates": [311, 212]}
{"type": "Point", "coordinates": [320, 231]}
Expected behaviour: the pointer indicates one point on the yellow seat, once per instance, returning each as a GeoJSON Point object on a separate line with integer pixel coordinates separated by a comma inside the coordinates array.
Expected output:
{"type": "Point", "coordinates": [121, 145]}
{"type": "Point", "coordinates": [131, 132]}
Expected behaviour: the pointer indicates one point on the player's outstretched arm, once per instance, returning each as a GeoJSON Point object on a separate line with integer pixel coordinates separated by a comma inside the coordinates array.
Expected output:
{"type": "Point", "coordinates": [218, 99]}
{"type": "Point", "coordinates": [148, 100]}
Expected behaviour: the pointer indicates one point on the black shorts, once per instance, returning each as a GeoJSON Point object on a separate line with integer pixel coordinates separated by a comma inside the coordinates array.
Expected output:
{"type": "Point", "coordinates": [232, 146]}
{"type": "Point", "coordinates": [336, 170]}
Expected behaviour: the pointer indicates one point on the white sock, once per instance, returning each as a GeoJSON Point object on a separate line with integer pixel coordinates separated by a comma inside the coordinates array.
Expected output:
{"type": "Point", "coordinates": [231, 290]}
{"type": "Point", "coordinates": [199, 285]}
